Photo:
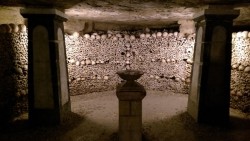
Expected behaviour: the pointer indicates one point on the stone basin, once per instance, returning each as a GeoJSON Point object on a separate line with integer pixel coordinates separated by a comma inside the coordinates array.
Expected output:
{"type": "Point", "coordinates": [130, 75]}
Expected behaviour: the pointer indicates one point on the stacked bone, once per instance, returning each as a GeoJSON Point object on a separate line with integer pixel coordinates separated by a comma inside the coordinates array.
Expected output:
{"type": "Point", "coordinates": [91, 63]}
{"type": "Point", "coordinates": [93, 59]}
{"type": "Point", "coordinates": [14, 67]}
{"type": "Point", "coordinates": [240, 77]}
{"type": "Point", "coordinates": [165, 57]}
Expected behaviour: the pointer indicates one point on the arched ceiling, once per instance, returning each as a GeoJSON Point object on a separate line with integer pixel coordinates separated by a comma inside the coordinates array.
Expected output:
{"type": "Point", "coordinates": [132, 12]}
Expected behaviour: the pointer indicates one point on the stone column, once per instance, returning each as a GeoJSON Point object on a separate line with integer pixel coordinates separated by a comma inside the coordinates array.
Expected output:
{"type": "Point", "coordinates": [130, 95]}
{"type": "Point", "coordinates": [210, 84]}
{"type": "Point", "coordinates": [49, 100]}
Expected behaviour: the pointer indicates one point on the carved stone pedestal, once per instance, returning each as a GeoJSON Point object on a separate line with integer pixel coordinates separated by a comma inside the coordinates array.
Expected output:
{"type": "Point", "coordinates": [130, 95]}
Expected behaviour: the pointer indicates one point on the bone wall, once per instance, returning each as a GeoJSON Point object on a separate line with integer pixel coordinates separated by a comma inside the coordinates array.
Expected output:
{"type": "Point", "coordinates": [240, 73]}
{"type": "Point", "coordinates": [94, 59]}
{"type": "Point", "coordinates": [13, 70]}
{"type": "Point", "coordinates": [166, 59]}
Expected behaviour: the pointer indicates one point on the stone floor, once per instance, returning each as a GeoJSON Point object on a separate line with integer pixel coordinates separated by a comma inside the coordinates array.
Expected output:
{"type": "Point", "coordinates": [94, 117]}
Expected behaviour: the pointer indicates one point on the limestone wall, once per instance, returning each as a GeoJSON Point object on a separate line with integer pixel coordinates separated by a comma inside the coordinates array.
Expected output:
{"type": "Point", "coordinates": [165, 57]}
{"type": "Point", "coordinates": [13, 70]}
{"type": "Point", "coordinates": [240, 74]}
{"type": "Point", "coordinates": [10, 15]}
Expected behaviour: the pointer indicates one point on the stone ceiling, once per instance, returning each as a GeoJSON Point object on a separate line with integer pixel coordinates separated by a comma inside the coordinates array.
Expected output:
{"type": "Point", "coordinates": [132, 12]}
{"type": "Point", "coordinates": [128, 12]}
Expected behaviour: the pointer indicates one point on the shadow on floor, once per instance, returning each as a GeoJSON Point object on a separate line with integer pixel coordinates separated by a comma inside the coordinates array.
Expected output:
{"type": "Point", "coordinates": [183, 128]}
{"type": "Point", "coordinates": [77, 128]}
{"type": "Point", "coordinates": [177, 128]}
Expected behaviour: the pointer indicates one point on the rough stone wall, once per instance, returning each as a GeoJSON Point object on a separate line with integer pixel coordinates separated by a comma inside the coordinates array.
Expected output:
{"type": "Point", "coordinates": [165, 57]}
{"type": "Point", "coordinates": [240, 73]}
{"type": "Point", "coordinates": [10, 15]}
{"type": "Point", "coordinates": [13, 70]}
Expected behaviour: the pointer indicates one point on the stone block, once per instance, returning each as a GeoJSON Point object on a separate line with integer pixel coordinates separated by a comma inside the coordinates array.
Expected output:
{"type": "Point", "coordinates": [128, 124]}
{"type": "Point", "coordinates": [136, 136]}
{"type": "Point", "coordinates": [136, 108]}
{"type": "Point", "coordinates": [124, 108]}
{"type": "Point", "coordinates": [124, 136]}
{"type": "Point", "coordinates": [130, 136]}
{"type": "Point", "coordinates": [131, 95]}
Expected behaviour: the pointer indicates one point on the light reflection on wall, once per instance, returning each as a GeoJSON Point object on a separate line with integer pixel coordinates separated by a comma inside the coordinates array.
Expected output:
{"type": "Point", "coordinates": [241, 47]}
